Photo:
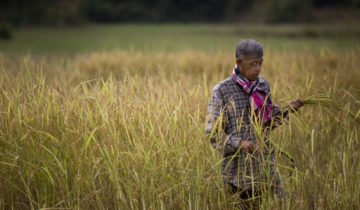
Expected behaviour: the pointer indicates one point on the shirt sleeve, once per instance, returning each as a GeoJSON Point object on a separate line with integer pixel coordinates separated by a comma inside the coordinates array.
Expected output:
{"type": "Point", "coordinates": [216, 118]}
{"type": "Point", "coordinates": [279, 116]}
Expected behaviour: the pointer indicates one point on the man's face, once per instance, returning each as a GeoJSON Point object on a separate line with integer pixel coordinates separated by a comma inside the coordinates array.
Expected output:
{"type": "Point", "coordinates": [249, 66]}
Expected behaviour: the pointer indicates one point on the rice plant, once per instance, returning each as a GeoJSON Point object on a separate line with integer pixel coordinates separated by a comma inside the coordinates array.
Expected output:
{"type": "Point", "coordinates": [125, 130]}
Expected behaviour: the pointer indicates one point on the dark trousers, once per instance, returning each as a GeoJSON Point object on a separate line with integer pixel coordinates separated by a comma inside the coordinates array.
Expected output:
{"type": "Point", "coordinates": [248, 198]}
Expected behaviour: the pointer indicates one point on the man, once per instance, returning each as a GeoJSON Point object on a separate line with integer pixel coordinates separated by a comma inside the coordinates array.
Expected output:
{"type": "Point", "coordinates": [239, 117]}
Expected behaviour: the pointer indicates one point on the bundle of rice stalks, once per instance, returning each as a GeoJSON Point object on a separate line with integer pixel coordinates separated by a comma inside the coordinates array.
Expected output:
{"type": "Point", "coordinates": [331, 106]}
{"type": "Point", "coordinates": [319, 99]}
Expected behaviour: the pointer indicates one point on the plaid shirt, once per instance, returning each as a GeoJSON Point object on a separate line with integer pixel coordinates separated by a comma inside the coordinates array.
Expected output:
{"type": "Point", "coordinates": [229, 121]}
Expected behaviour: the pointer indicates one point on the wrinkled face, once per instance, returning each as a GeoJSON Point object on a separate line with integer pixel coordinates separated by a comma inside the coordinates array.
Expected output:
{"type": "Point", "coordinates": [249, 66]}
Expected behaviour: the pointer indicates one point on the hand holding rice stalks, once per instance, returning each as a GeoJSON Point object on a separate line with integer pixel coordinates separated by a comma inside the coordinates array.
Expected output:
{"type": "Point", "coordinates": [329, 104]}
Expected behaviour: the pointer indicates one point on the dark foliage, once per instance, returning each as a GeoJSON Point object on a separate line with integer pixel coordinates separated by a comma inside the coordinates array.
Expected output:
{"type": "Point", "coordinates": [5, 31]}
{"type": "Point", "coordinates": [70, 12]}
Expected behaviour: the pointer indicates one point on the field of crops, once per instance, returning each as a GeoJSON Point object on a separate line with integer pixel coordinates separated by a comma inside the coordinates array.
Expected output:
{"type": "Point", "coordinates": [123, 127]}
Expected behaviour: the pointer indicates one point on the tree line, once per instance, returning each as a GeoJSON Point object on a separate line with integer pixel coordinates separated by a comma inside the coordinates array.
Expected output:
{"type": "Point", "coordinates": [72, 12]}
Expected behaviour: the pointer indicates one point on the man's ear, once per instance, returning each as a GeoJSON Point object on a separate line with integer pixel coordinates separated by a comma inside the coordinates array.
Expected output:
{"type": "Point", "coordinates": [239, 60]}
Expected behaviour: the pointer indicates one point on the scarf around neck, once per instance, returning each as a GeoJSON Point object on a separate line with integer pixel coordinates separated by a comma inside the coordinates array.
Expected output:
{"type": "Point", "coordinates": [260, 99]}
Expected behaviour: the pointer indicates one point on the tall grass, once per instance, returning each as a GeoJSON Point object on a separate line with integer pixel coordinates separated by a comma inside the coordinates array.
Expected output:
{"type": "Point", "coordinates": [125, 130]}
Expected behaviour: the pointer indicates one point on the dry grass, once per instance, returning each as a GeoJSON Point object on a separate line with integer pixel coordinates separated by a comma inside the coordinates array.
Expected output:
{"type": "Point", "coordinates": [125, 130]}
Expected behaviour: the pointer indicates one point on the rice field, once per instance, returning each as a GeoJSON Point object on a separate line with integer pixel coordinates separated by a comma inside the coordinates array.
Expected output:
{"type": "Point", "coordinates": [124, 129]}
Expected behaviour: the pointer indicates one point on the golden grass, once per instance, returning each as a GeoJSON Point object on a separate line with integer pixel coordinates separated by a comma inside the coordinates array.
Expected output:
{"type": "Point", "coordinates": [125, 130]}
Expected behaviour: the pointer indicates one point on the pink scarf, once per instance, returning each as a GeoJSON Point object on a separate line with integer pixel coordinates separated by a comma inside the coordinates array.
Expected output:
{"type": "Point", "coordinates": [260, 99]}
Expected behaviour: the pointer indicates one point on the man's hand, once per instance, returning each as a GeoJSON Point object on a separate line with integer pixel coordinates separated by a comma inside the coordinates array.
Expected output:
{"type": "Point", "coordinates": [296, 104]}
{"type": "Point", "coordinates": [247, 146]}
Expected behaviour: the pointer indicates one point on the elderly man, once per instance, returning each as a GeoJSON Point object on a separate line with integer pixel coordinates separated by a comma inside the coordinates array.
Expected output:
{"type": "Point", "coordinates": [240, 115]}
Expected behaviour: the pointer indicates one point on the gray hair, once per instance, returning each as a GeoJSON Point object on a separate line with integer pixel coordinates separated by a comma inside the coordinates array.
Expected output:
{"type": "Point", "coordinates": [249, 47]}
